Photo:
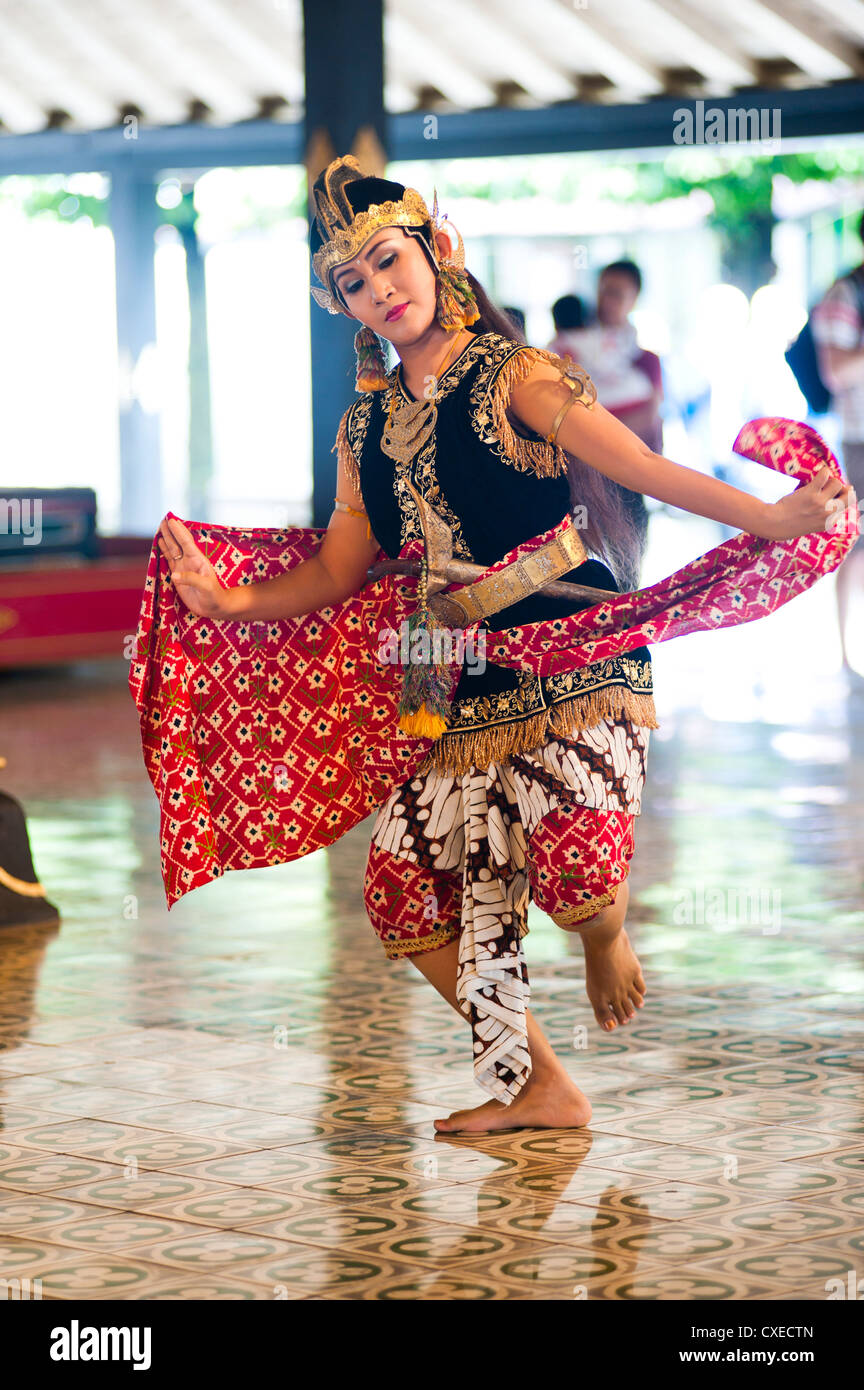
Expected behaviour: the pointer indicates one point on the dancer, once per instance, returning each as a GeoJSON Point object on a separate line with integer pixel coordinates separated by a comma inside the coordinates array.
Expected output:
{"type": "Point", "coordinates": [524, 775]}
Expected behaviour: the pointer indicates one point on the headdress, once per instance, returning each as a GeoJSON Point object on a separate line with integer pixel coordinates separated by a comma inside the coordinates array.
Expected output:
{"type": "Point", "coordinates": [350, 207]}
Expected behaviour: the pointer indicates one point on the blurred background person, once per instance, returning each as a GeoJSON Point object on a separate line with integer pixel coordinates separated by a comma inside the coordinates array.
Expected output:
{"type": "Point", "coordinates": [569, 314]}
{"type": "Point", "coordinates": [628, 378]}
{"type": "Point", "coordinates": [516, 317]}
{"type": "Point", "coordinates": [838, 332]}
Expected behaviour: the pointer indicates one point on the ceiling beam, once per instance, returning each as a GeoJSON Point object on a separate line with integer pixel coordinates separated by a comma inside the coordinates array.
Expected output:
{"type": "Point", "coordinates": [816, 54]}
{"type": "Point", "coordinates": [703, 42]}
{"type": "Point", "coordinates": [416, 57]}
{"type": "Point", "coordinates": [567, 127]}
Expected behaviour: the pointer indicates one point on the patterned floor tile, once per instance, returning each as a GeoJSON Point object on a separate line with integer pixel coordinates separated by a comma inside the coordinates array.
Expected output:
{"type": "Point", "coordinates": [453, 1162]}
{"type": "Point", "coordinates": [350, 1186]}
{"type": "Point", "coordinates": [137, 1192]}
{"type": "Point", "coordinates": [383, 1114]}
{"type": "Point", "coordinates": [475, 1207]}
{"type": "Point", "coordinates": [190, 1117]}
{"type": "Point", "coordinates": [775, 1141]}
{"type": "Point", "coordinates": [16, 1119]}
{"type": "Point", "coordinates": [801, 1111]}
{"type": "Point", "coordinates": [92, 1102]}
{"type": "Point", "coordinates": [337, 1227]}
{"type": "Point", "coordinates": [668, 1126]}
{"type": "Point", "coordinates": [215, 1250]}
{"type": "Point", "coordinates": [571, 1183]}
{"type": "Point", "coordinates": [432, 1243]}
{"type": "Point", "coordinates": [684, 1285]}
{"type": "Point", "coordinates": [113, 1231]}
{"type": "Point", "coordinates": [677, 1062]}
{"type": "Point", "coordinates": [334, 1273]}
{"type": "Point", "coordinates": [790, 1220]}
{"type": "Point", "coordinates": [203, 1288]}
{"type": "Point", "coordinates": [546, 1270]}
{"type": "Point", "coordinates": [32, 1059]}
{"type": "Point", "coordinates": [808, 1265]}
{"type": "Point", "coordinates": [672, 1201]}
{"type": "Point", "coordinates": [666, 1095]}
{"type": "Point", "coordinates": [227, 1208]}
{"type": "Point", "coordinates": [81, 1137]}
{"type": "Point", "coordinates": [107, 1276]}
{"type": "Point", "coordinates": [231, 1112]}
{"type": "Point", "coordinates": [679, 1163]}
{"type": "Point", "coordinates": [34, 1213]}
{"type": "Point", "coordinates": [792, 1179]}
{"type": "Point", "coordinates": [258, 1169]}
{"type": "Point", "coordinates": [37, 1170]}
{"type": "Point", "coordinates": [584, 1145]}
{"type": "Point", "coordinates": [21, 1256]}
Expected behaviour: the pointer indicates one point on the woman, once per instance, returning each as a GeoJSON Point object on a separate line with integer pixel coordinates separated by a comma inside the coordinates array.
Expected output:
{"type": "Point", "coordinates": [531, 789]}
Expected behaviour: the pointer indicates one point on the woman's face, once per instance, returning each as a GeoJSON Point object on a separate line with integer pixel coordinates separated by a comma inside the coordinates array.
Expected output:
{"type": "Point", "coordinates": [390, 287]}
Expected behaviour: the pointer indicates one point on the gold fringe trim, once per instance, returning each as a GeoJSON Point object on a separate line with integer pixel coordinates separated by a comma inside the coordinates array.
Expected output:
{"type": "Point", "coordinates": [343, 452]}
{"type": "Point", "coordinates": [19, 885]}
{"type": "Point", "coordinates": [546, 460]}
{"type": "Point", "coordinates": [414, 945]}
{"type": "Point", "coordinates": [569, 916]}
{"type": "Point", "coordinates": [457, 752]}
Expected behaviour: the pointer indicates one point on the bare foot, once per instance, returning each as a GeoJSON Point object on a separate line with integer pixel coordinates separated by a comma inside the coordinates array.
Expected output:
{"type": "Point", "coordinates": [613, 976]}
{"type": "Point", "coordinates": [548, 1102]}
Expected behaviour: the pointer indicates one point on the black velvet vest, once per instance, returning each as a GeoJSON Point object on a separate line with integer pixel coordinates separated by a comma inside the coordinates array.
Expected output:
{"type": "Point", "coordinates": [492, 501]}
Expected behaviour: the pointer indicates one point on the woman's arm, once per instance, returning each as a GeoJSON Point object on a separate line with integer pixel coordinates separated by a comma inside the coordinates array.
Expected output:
{"type": "Point", "coordinates": [596, 437]}
{"type": "Point", "coordinates": [337, 571]}
{"type": "Point", "coordinates": [840, 368]}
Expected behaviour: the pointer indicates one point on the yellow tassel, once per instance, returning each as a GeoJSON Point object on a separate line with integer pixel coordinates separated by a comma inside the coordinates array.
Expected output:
{"type": "Point", "coordinates": [423, 723]}
{"type": "Point", "coordinates": [369, 383]}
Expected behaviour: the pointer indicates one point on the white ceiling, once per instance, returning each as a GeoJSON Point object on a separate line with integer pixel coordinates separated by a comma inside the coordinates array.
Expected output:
{"type": "Point", "coordinates": [81, 64]}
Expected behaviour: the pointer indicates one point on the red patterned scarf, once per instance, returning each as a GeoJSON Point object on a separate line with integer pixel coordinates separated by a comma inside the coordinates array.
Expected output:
{"type": "Point", "coordinates": [265, 741]}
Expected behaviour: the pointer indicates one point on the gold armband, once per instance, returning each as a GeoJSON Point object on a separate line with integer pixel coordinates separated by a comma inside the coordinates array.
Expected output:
{"type": "Point", "coordinates": [354, 511]}
{"type": "Point", "coordinates": [575, 394]}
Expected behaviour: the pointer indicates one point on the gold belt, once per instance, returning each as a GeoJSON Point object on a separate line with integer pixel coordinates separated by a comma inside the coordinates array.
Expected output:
{"type": "Point", "coordinates": [516, 581]}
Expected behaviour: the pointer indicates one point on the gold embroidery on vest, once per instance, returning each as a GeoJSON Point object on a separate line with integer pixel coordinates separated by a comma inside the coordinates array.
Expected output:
{"type": "Point", "coordinates": [506, 365]}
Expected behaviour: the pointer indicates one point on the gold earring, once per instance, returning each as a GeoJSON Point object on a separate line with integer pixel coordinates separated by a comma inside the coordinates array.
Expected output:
{"type": "Point", "coordinates": [371, 367]}
{"type": "Point", "coordinates": [456, 305]}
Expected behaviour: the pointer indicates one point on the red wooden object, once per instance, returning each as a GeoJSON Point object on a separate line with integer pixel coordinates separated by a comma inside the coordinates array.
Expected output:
{"type": "Point", "coordinates": [68, 608]}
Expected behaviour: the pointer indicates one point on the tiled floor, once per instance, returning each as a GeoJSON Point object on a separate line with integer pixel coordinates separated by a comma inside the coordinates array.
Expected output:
{"type": "Point", "coordinates": [234, 1101]}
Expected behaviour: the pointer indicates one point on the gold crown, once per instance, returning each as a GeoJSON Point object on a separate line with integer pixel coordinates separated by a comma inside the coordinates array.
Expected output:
{"type": "Point", "coordinates": [347, 232]}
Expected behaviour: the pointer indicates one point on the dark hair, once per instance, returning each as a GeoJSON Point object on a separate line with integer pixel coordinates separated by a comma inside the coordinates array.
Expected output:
{"type": "Point", "coordinates": [568, 312]}
{"type": "Point", "coordinates": [517, 315]}
{"type": "Point", "coordinates": [625, 268]}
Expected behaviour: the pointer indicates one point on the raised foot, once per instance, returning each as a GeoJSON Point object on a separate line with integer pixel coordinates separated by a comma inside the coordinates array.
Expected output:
{"type": "Point", "coordinates": [540, 1105]}
{"type": "Point", "coordinates": [613, 978]}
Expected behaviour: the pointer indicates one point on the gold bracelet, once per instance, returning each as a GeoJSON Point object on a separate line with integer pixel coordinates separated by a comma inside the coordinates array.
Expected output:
{"type": "Point", "coordinates": [344, 507]}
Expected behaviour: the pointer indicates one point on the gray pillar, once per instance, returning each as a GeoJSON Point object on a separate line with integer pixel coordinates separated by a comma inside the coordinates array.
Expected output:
{"type": "Point", "coordinates": [344, 64]}
{"type": "Point", "coordinates": [134, 218]}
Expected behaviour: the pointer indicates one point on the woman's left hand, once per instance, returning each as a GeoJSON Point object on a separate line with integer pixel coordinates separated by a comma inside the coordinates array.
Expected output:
{"type": "Point", "coordinates": [823, 504]}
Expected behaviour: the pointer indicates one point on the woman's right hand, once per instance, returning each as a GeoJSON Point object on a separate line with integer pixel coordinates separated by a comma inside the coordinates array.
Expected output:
{"type": "Point", "coordinates": [192, 574]}
{"type": "Point", "coordinates": [817, 506]}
